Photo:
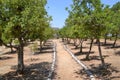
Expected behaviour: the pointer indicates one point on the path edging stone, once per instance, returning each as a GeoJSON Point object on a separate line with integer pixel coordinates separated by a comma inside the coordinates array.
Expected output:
{"type": "Point", "coordinates": [79, 62]}
{"type": "Point", "coordinates": [51, 73]}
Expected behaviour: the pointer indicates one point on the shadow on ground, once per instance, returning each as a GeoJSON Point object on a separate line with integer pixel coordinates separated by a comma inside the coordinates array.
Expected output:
{"type": "Point", "coordinates": [116, 46]}
{"type": "Point", "coordinates": [37, 71]}
{"type": "Point", "coordinates": [83, 53]}
{"type": "Point", "coordinates": [9, 52]}
{"type": "Point", "coordinates": [45, 49]}
{"type": "Point", "coordinates": [5, 57]}
{"type": "Point", "coordinates": [117, 53]}
{"type": "Point", "coordinates": [102, 73]}
{"type": "Point", "coordinates": [94, 58]}
{"type": "Point", "coordinates": [75, 48]}
{"type": "Point", "coordinates": [111, 47]}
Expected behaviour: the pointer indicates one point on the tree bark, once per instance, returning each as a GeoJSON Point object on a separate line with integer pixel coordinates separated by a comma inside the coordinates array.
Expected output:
{"type": "Point", "coordinates": [2, 43]}
{"type": "Point", "coordinates": [76, 45]}
{"type": "Point", "coordinates": [105, 41]}
{"type": "Point", "coordinates": [100, 53]}
{"type": "Point", "coordinates": [116, 36]}
{"type": "Point", "coordinates": [62, 39]}
{"type": "Point", "coordinates": [87, 56]}
{"type": "Point", "coordinates": [69, 40]}
{"type": "Point", "coordinates": [81, 48]}
{"type": "Point", "coordinates": [81, 43]}
{"type": "Point", "coordinates": [75, 41]}
{"type": "Point", "coordinates": [20, 68]}
{"type": "Point", "coordinates": [11, 46]}
{"type": "Point", "coordinates": [40, 45]}
{"type": "Point", "coordinates": [96, 41]}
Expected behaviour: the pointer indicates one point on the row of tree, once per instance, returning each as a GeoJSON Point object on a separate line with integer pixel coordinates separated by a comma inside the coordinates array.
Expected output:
{"type": "Point", "coordinates": [23, 20]}
{"type": "Point", "coordinates": [90, 19]}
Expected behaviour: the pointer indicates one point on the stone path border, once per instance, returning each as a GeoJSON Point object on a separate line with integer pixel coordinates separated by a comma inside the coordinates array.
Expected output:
{"type": "Point", "coordinates": [79, 62]}
{"type": "Point", "coordinates": [51, 73]}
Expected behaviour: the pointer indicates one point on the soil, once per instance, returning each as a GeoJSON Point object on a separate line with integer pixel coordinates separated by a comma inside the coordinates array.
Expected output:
{"type": "Point", "coordinates": [37, 66]}
{"type": "Point", "coordinates": [111, 57]}
{"type": "Point", "coordinates": [67, 68]}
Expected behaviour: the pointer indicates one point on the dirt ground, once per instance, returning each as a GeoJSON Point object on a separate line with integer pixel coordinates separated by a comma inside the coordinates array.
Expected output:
{"type": "Point", "coordinates": [37, 66]}
{"type": "Point", "coordinates": [67, 68]}
{"type": "Point", "coordinates": [111, 57]}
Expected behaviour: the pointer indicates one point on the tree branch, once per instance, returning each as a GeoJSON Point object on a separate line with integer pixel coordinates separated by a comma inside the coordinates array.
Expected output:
{"type": "Point", "coordinates": [1, 41]}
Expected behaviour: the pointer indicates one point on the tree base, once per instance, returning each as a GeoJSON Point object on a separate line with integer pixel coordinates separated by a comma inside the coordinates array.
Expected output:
{"type": "Point", "coordinates": [21, 72]}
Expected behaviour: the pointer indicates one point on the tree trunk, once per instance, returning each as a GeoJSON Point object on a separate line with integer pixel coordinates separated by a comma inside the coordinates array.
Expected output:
{"type": "Point", "coordinates": [40, 45]}
{"type": "Point", "coordinates": [69, 40]}
{"type": "Point", "coordinates": [81, 48]}
{"type": "Point", "coordinates": [81, 42]}
{"type": "Point", "coordinates": [74, 42]}
{"type": "Point", "coordinates": [100, 53]}
{"type": "Point", "coordinates": [20, 69]}
{"type": "Point", "coordinates": [65, 40]}
{"type": "Point", "coordinates": [87, 56]}
{"type": "Point", "coordinates": [76, 45]}
{"type": "Point", "coordinates": [11, 47]}
{"type": "Point", "coordinates": [116, 36]}
{"type": "Point", "coordinates": [44, 43]}
{"type": "Point", "coordinates": [105, 41]}
{"type": "Point", "coordinates": [96, 41]}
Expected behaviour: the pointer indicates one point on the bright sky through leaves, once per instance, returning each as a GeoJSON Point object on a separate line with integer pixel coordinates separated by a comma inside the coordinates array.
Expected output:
{"type": "Point", "coordinates": [56, 8]}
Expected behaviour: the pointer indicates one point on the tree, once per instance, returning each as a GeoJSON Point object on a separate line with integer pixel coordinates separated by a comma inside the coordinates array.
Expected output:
{"type": "Point", "coordinates": [7, 38]}
{"type": "Point", "coordinates": [116, 21]}
{"type": "Point", "coordinates": [89, 17]}
{"type": "Point", "coordinates": [20, 20]}
{"type": "Point", "coordinates": [96, 25]}
{"type": "Point", "coordinates": [75, 20]}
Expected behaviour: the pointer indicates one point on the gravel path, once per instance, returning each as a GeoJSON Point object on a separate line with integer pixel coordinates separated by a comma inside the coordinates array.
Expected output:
{"type": "Point", "coordinates": [67, 68]}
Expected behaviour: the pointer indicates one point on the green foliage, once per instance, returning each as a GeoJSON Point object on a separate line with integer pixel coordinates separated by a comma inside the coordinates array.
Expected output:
{"type": "Point", "coordinates": [116, 18]}
{"type": "Point", "coordinates": [27, 19]}
{"type": "Point", "coordinates": [22, 20]}
{"type": "Point", "coordinates": [88, 19]}
{"type": "Point", "coordinates": [116, 7]}
{"type": "Point", "coordinates": [34, 47]}
{"type": "Point", "coordinates": [91, 19]}
{"type": "Point", "coordinates": [16, 42]}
